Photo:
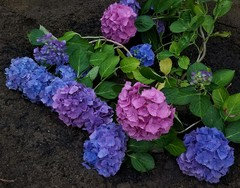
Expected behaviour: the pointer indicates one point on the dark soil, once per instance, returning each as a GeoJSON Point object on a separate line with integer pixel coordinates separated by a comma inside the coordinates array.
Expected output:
{"type": "Point", "coordinates": [36, 148]}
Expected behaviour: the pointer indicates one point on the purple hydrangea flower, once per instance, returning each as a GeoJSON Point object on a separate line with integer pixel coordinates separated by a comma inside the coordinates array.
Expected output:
{"type": "Point", "coordinates": [201, 78]}
{"type": "Point", "coordinates": [45, 38]}
{"type": "Point", "coordinates": [66, 72]}
{"type": "Point", "coordinates": [47, 94]}
{"type": "Point", "coordinates": [208, 156]}
{"type": "Point", "coordinates": [19, 72]}
{"type": "Point", "coordinates": [131, 3]}
{"type": "Point", "coordinates": [160, 26]}
{"type": "Point", "coordinates": [105, 150]}
{"type": "Point", "coordinates": [78, 106]}
{"type": "Point", "coordinates": [52, 53]}
{"type": "Point", "coordinates": [118, 23]}
{"type": "Point", "coordinates": [26, 76]}
{"type": "Point", "coordinates": [144, 53]}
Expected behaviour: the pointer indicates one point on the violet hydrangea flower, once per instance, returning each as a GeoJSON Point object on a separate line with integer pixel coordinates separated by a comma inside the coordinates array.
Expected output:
{"type": "Point", "coordinates": [143, 112]}
{"type": "Point", "coordinates": [118, 23]}
{"type": "Point", "coordinates": [66, 72]}
{"type": "Point", "coordinates": [52, 53]}
{"type": "Point", "coordinates": [201, 78]}
{"type": "Point", "coordinates": [78, 106]}
{"type": "Point", "coordinates": [134, 4]}
{"type": "Point", "coordinates": [160, 26]}
{"type": "Point", "coordinates": [144, 53]}
{"type": "Point", "coordinates": [105, 150]}
{"type": "Point", "coordinates": [208, 156]}
{"type": "Point", "coordinates": [26, 76]}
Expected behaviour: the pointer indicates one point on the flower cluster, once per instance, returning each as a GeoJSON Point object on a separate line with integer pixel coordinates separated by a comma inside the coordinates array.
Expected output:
{"type": "Point", "coordinates": [143, 112]}
{"type": "Point", "coordinates": [118, 23]}
{"type": "Point", "coordinates": [160, 26]}
{"type": "Point", "coordinates": [131, 3]}
{"type": "Point", "coordinates": [26, 76]}
{"type": "Point", "coordinates": [105, 150]}
{"type": "Point", "coordinates": [144, 53]}
{"type": "Point", "coordinates": [78, 106]}
{"type": "Point", "coordinates": [201, 77]}
{"type": "Point", "coordinates": [208, 156]}
{"type": "Point", "coordinates": [52, 53]}
{"type": "Point", "coordinates": [66, 73]}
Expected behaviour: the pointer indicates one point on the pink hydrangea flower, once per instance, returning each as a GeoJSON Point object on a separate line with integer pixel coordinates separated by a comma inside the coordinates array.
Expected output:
{"type": "Point", "coordinates": [143, 112]}
{"type": "Point", "coordinates": [118, 23]}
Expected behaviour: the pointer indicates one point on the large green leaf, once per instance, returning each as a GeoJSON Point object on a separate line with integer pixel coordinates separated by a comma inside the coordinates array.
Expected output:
{"type": "Point", "coordinates": [219, 96]}
{"type": "Point", "coordinates": [223, 77]}
{"type": "Point", "coordinates": [199, 105]}
{"type": "Point", "coordinates": [222, 7]}
{"type": "Point", "coordinates": [108, 90]}
{"type": "Point", "coordinates": [149, 73]}
{"type": "Point", "coordinates": [176, 147]}
{"type": "Point", "coordinates": [179, 26]}
{"type": "Point", "coordinates": [144, 23]}
{"type": "Point", "coordinates": [139, 146]}
{"type": "Point", "coordinates": [34, 35]}
{"type": "Point", "coordinates": [142, 162]}
{"type": "Point", "coordinates": [68, 36]}
{"type": "Point", "coordinates": [208, 24]}
{"type": "Point", "coordinates": [108, 66]}
{"type": "Point", "coordinates": [233, 132]}
{"type": "Point", "coordinates": [162, 5]}
{"type": "Point", "coordinates": [231, 108]}
{"type": "Point", "coordinates": [92, 74]}
{"type": "Point", "coordinates": [139, 77]}
{"type": "Point", "coordinates": [129, 64]}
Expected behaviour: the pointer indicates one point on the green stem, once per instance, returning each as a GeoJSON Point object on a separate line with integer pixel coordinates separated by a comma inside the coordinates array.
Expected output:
{"type": "Point", "coordinates": [189, 127]}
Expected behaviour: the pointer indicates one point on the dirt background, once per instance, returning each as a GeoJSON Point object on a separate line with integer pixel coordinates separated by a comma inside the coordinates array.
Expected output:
{"type": "Point", "coordinates": [36, 148]}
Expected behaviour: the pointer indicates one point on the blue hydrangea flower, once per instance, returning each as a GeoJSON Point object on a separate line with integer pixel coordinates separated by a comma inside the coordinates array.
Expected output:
{"type": "Point", "coordinates": [66, 72]}
{"type": "Point", "coordinates": [52, 53]}
{"type": "Point", "coordinates": [131, 3]}
{"type": "Point", "coordinates": [144, 53]}
{"type": "Point", "coordinates": [19, 72]}
{"type": "Point", "coordinates": [160, 26]}
{"type": "Point", "coordinates": [78, 106]}
{"type": "Point", "coordinates": [105, 150]}
{"type": "Point", "coordinates": [47, 94]}
{"type": "Point", "coordinates": [208, 156]}
{"type": "Point", "coordinates": [39, 79]}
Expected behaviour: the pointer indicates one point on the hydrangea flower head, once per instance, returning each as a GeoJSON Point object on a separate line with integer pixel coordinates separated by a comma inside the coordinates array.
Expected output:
{"type": "Point", "coordinates": [52, 53]}
{"type": "Point", "coordinates": [19, 72]}
{"type": "Point", "coordinates": [144, 53]}
{"type": "Point", "coordinates": [134, 4]}
{"type": "Point", "coordinates": [160, 26]}
{"type": "Point", "coordinates": [118, 23]}
{"type": "Point", "coordinates": [105, 150]}
{"type": "Point", "coordinates": [66, 72]}
{"type": "Point", "coordinates": [143, 112]}
{"type": "Point", "coordinates": [201, 78]}
{"type": "Point", "coordinates": [208, 156]}
{"type": "Point", "coordinates": [78, 106]}
{"type": "Point", "coordinates": [27, 76]}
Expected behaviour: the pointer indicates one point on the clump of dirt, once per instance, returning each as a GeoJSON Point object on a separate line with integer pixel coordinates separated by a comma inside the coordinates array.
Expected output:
{"type": "Point", "coordinates": [36, 148]}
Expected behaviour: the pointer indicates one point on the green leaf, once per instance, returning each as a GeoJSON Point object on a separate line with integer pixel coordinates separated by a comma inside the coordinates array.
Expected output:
{"type": "Point", "coordinates": [146, 7]}
{"type": "Point", "coordinates": [165, 140]}
{"type": "Point", "coordinates": [139, 146]}
{"type": "Point", "coordinates": [164, 54]}
{"type": "Point", "coordinates": [208, 24]}
{"type": "Point", "coordinates": [213, 118]}
{"type": "Point", "coordinates": [92, 74]}
{"type": "Point", "coordinates": [109, 49]}
{"type": "Point", "coordinates": [129, 64]}
{"type": "Point", "coordinates": [34, 35]}
{"type": "Point", "coordinates": [224, 34]}
{"type": "Point", "coordinates": [219, 96]}
{"type": "Point", "coordinates": [233, 132]}
{"type": "Point", "coordinates": [176, 147]}
{"type": "Point", "coordinates": [184, 62]}
{"type": "Point", "coordinates": [149, 73]}
{"type": "Point", "coordinates": [144, 23]}
{"type": "Point", "coordinates": [180, 96]}
{"type": "Point", "coordinates": [196, 22]}
{"type": "Point", "coordinates": [86, 81]}
{"type": "Point", "coordinates": [223, 77]}
{"type": "Point", "coordinates": [108, 90]}
{"type": "Point", "coordinates": [162, 5]}
{"type": "Point", "coordinates": [77, 43]}
{"type": "Point", "coordinates": [196, 67]}
{"type": "Point", "coordinates": [151, 37]}
{"type": "Point", "coordinates": [166, 66]}
{"type": "Point", "coordinates": [68, 36]}
{"type": "Point", "coordinates": [199, 105]}
{"type": "Point", "coordinates": [108, 66]}
{"type": "Point", "coordinates": [222, 7]}
{"type": "Point", "coordinates": [139, 77]}
{"type": "Point", "coordinates": [175, 48]}
{"type": "Point", "coordinates": [43, 29]}
{"type": "Point", "coordinates": [142, 162]}
{"type": "Point", "coordinates": [79, 61]}
{"type": "Point", "coordinates": [231, 108]}
{"type": "Point", "coordinates": [179, 26]}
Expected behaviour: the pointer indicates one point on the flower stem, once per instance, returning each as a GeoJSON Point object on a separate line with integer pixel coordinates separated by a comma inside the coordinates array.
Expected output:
{"type": "Point", "coordinates": [189, 127]}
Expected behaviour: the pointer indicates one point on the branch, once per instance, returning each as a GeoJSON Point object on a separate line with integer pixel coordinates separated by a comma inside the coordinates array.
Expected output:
{"type": "Point", "coordinates": [189, 127]}
{"type": "Point", "coordinates": [6, 181]}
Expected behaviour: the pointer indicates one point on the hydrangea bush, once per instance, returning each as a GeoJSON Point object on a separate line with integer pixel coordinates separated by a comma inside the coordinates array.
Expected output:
{"type": "Point", "coordinates": [132, 100]}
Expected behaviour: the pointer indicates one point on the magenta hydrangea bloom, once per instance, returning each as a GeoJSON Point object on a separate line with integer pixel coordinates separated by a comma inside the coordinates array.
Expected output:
{"type": "Point", "coordinates": [118, 23]}
{"type": "Point", "coordinates": [143, 112]}
{"type": "Point", "coordinates": [78, 106]}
